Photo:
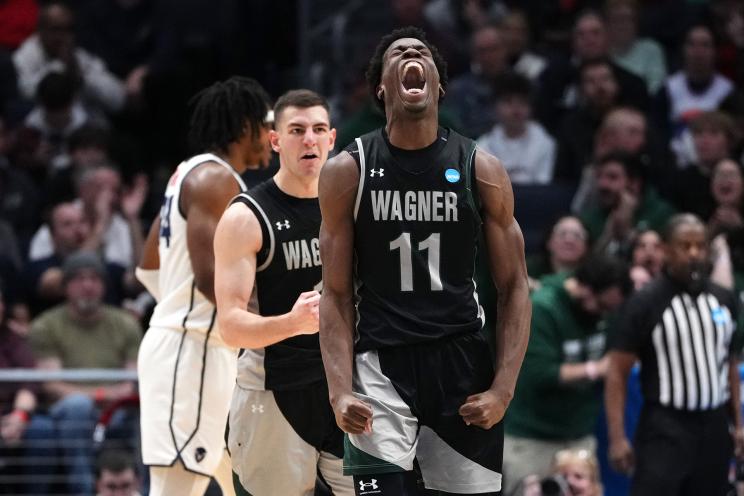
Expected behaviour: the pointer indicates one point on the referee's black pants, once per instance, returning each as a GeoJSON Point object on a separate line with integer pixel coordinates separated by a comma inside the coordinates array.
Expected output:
{"type": "Point", "coordinates": [682, 453]}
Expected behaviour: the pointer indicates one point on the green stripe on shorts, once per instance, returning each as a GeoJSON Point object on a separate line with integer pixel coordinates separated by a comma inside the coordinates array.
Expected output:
{"type": "Point", "coordinates": [357, 462]}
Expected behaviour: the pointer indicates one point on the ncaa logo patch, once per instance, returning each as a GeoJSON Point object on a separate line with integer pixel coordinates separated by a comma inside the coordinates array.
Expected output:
{"type": "Point", "coordinates": [370, 487]}
{"type": "Point", "coordinates": [719, 316]}
{"type": "Point", "coordinates": [199, 454]}
{"type": "Point", "coordinates": [452, 175]}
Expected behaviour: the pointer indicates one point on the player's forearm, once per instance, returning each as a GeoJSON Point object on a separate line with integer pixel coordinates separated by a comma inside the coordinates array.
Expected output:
{"type": "Point", "coordinates": [614, 396]}
{"type": "Point", "coordinates": [243, 329]}
{"type": "Point", "coordinates": [512, 334]}
{"type": "Point", "coordinates": [337, 343]}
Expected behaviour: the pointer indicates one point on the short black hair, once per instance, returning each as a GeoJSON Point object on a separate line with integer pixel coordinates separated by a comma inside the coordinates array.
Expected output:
{"type": "Point", "coordinates": [601, 272]}
{"type": "Point", "coordinates": [632, 164]}
{"type": "Point", "coordinates": [301, 99]}
{"type": "Point", "coordinates": [678, 220]}
{"type": "Point", "coordinates": [56, 91]}
{"type": "Point", "coordinates": [591, 63]}
{"type": "Point", "coordinates": [512, 84]}
{"type": "Point", "coordinates": [374, 69]}
{"type": "Point", "coordinates": [114, 460]}
{"type": "Point", "coordinates": [221, 111]}
{"type": "Point", "coordinates": [89, 136]}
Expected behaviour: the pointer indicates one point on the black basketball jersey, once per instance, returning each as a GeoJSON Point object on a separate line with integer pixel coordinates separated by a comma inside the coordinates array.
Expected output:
{"type": "Point", "coordinates": [415, 240]}
{"type": "Point", "coordinates": [287, 265]}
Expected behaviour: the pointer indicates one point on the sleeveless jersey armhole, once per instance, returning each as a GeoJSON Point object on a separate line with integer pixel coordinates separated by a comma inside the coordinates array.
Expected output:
{"type": "Point", "coordinates": [264, 255]}
{"type": "Point", "coordinates": [472, 184]}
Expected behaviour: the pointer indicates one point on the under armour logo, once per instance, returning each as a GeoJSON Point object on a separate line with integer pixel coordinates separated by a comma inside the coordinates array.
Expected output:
{"type": "Point", "coordinates": [257, 408]}
{"type": "Point", "coordinates": [366, 486]}
{"type": "Point", "coordinates": [376, 172]}
{"type": "Point", "coordinates": [282, 225]}
{"type": "Point", "coordinates": [199, 454]}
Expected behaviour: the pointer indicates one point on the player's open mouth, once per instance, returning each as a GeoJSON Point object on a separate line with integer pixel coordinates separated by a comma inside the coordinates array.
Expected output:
{"type": "Point", "coordinates": [413, 79]}
{"type": "Point", "coordinates": [309, 156]}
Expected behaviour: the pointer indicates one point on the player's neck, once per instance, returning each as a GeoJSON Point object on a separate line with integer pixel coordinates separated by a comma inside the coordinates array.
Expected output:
{"type": "Point", "coordinates": [410, 134]}
{"type": "Point", "coordinates": [295, 186]}
{"type": "Point", "coordinates": [234, 157]}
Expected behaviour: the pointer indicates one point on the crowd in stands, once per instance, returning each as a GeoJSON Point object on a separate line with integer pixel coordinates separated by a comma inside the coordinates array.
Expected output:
{"type": "Point", "coordinates": [609, 117]}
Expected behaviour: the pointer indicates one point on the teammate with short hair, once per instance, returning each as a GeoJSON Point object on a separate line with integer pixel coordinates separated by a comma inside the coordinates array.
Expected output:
{"type": "Point", "coordinates": [267, 278]}
{"type": "Point", "coordinates": [409, 372]}
{"type": "Point", "coordinates": [186, 371]}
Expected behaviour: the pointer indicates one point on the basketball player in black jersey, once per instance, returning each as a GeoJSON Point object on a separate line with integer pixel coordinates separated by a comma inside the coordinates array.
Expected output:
{"type": "Point", "coordinates": [410, 375]}
{"type": "Point", "coordinates": [267, 277]}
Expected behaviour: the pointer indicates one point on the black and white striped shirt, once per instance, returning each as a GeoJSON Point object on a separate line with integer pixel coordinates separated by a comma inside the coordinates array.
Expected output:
{"type": "Point", "coordinates": [684, 342]}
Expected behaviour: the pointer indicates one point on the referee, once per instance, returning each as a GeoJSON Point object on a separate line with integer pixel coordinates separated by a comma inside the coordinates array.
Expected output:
{"type": "Point", "coordinates": [682, 328]}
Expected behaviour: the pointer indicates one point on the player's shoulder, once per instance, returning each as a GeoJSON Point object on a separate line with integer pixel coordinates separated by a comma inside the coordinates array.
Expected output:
{"type": "Point", "coordinates": [488, 167]}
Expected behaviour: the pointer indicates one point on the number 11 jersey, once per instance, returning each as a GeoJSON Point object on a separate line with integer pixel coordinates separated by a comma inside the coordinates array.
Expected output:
{"type": "Point", "coordinates": [416, 228]}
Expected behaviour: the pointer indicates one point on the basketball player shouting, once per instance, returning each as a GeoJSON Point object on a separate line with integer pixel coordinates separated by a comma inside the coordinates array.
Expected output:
{"type": "Point", "coordinates": [410, 375]}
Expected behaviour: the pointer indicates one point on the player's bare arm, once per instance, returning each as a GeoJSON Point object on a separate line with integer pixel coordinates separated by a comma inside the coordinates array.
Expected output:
{"type": "Point", "coordinates": [505, 246]}
{"type": "Point", "coordinates": [147, 271]}
{"type": "Point", "coordinates": [207, 190]}
{"type": "Point", "coordinates": [616, 384]}
{"type": "Point", "coordinates": [337, 193]}
{"type": "Point", "coordinates": [237, 241]}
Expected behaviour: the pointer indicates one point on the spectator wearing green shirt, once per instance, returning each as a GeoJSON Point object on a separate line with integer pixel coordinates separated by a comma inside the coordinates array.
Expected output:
{"type": "Point", "coordinates": [626, 204]}
{"type": "Point", "coordinates": [83, 332]}
{"type": "Point", "coordinates": [557, 397]}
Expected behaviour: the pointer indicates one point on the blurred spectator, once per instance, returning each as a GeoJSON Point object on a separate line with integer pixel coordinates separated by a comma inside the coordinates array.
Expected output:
{"type": "Point", "coordinates": [471, 96]}
{"type": "Point", "coordinates": [116, 474]}
{"type": "Point", "coordinates": [525, 149]}
{"type": "Point", "coordinates": [557, 398]}
{"type": "Point", "coordinates": [57, 115]}
{"type": "Point", "coordinates": [21, 430]}
{"type": "Point", "coordinates": [599, 93]}
{"type": "Point", "coordinates": [122, 33]}
{"type": "Point", "coordinates": [713, 135]}
{"type": "Point", "coordinates": [83, 333]}
{"type": "Point", "coordinates": [580, 470]}
{"type": "Point", "coordinates": [695, 88]}
{"type": "Point", "coordinates": [644, 57]}
{"type": "Point", "coordinates": [53, 48]}
{"type": "Point", "coordinates": [559, 82]}
{"type": "Point", "coordinates": [19, 197]}
{"type": "Point", "coordinates": [516, 31]}
{"type": "Point", "coordinates": [626, 204]}
{"type": "Point", "coordinates": [43, 277]}
{"type": "Point", "coordinates": [17, 22]}
{"type": "Point", "coordinates": [87, 148]}
{"type": "Point", "coordinates": [647, 257]}
{"type": "Point", "coordinates": [683, 330]}
{"type": "Point", "coordinates": [457, 20]}
{"type": "Point", "coordinates": [564, 249]}
{"type": "Point", "coordinates": [727, 190]}
{"type": "Point", "coordinates": [113, 218]}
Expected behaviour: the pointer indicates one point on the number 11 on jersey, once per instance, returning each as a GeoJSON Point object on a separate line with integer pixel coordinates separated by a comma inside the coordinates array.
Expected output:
{"type": "Point", "coordinates": [431, 245]}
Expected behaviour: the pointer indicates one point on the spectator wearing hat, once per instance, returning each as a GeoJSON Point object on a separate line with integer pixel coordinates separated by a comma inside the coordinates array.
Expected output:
{"type": "Point", "coordinates": [80, 333]}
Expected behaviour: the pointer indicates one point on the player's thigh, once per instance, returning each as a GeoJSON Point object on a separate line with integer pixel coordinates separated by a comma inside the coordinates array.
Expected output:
{"type": "Point", "coordinates": [268, 456]}
{"type": "Point", "coordinates": [167, 481]}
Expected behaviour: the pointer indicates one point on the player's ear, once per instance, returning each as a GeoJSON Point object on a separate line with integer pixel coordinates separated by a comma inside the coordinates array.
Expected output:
{"type": "Point", "coordinates": [274, 140]}
{"type": "Point", "coordinates": [441, 92]}
{"type": "Point", "coordinates": [380, 91]}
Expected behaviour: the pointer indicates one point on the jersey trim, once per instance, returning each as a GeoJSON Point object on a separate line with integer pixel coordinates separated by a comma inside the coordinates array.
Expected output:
{"type": "Point", "coordinates": [208, 157]}
{"type": "Point", "coordinates": [362, 174]}
{"type": "Point", "coordinates": [175, 371]}
{"type": "Point", "coordinates": [201, 383]}
{"type": "Point", "coordinates": [265, 218]}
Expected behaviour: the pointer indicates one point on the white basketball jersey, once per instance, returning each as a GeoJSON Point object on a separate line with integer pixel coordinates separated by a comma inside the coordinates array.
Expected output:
{"type": "Point", "coordinates": [182, 305]}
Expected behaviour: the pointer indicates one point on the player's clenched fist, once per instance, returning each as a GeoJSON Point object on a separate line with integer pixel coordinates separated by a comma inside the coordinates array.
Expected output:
{"type": "Point", "coordinates": [305, 312]}
{"type": "Point", "coordinates": [352, 414]}
{"type": "Point", "coordinates": [484, 410]}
